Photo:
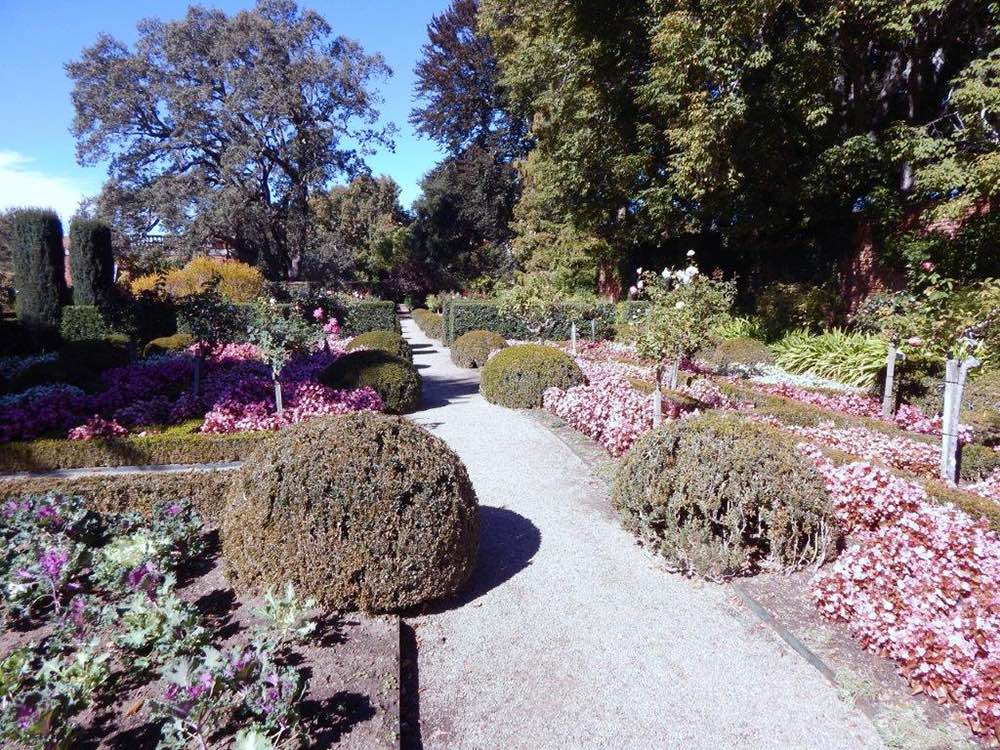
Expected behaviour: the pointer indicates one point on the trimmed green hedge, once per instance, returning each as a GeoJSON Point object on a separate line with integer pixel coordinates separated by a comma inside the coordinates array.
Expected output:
{"type": "Point", "coordinates": [386, 341]}
{"type": "Point", "coordinates": [394, 379]}
{"type": "Point", "coordinates": [176, 446]}
{"type": "Point", "coordinates": [431, 323]}
{"type": "Point", "coordinates": [464, 315]}
{"type": "Point", "coordinates": [473, 349]}
{"type": "Point", "coordinates": [720, 496]}
{"type": "Point", "coordinates": [369, 315]}
{"type": "Point", "coordinates": [359, 511]}
{"type": "Point", "coordinates": [141, 491]}
{"type": "Point", "coordinates": [518, 375]}
{"type": "Point", "coordinates": [83, 323]}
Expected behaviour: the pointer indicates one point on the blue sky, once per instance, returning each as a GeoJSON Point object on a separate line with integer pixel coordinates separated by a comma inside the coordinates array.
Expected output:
{"type": "Point", "coordinates": [37, 163]}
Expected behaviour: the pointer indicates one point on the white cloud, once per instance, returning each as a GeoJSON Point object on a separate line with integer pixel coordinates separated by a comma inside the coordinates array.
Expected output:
{"type": "Point", "coordinates": [22, 186]}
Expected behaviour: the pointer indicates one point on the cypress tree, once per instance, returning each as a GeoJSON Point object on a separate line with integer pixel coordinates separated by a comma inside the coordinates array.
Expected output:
{"type": "Point", "coordinates": [92, 262]}
{"type": "Point", "coordinates": [39, 271]}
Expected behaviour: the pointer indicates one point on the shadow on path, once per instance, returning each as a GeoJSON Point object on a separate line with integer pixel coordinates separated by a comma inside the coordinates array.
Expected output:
{"type": "Point", "coordinates": [507, 543]}
{"type": "Point", "coordinates": [443, 391]}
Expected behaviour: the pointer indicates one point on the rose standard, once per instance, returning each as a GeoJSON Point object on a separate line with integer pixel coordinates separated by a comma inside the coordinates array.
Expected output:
{"type": "Point", "coordinates": [279, 335]}
{"type": "Point", "coordinates": [687, 306]}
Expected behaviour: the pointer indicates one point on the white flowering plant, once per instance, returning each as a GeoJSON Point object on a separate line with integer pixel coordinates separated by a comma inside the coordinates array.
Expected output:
{"type": "Point", "coordinates": [687, 306]}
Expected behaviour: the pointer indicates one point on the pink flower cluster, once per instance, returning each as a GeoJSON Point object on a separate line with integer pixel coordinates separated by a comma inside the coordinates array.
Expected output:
{"type": "Point", "coordinates": [97, 427]}
{"type": "Point", "coordinates": [900, 453]}
{"type": "Point", "coordinates": [303, 400]}
{"type": "Point", "coordinates": [608, 409]}
{"type": "Point", "coordinates": [907, 417]}
{"type": "Point", "coordinates": [989, 487]}
{"type": "Point", "coordinates": [918, 585]}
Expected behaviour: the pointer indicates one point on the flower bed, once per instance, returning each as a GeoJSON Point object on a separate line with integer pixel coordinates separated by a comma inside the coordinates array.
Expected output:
{"type": "Point", "coordinates": [917, 585]}
{"type": "Point", "coordinates": [126, 634]}
{"type": "Point", "coordinates": [236, 394]}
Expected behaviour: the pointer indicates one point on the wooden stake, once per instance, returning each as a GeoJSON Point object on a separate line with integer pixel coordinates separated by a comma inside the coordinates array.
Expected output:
{"type": "Point", "coordinates": [572, 335]}
{"type": "Point", "coordinates": [657, 406]}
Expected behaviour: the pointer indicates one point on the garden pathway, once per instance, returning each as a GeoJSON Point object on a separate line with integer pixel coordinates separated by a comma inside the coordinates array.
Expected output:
{"type": "Point", "coordinates": [571, 636]}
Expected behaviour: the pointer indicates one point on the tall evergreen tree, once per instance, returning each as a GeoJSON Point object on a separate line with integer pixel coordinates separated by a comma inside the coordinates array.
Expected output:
{"type": "Point", "coordinates": [36, 239]}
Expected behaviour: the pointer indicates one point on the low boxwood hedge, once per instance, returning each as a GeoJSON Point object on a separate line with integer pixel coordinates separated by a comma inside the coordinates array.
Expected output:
{"type": "Point", "coordinates": [473, 349]}
{"type": "Point", "coordinates": [464, 315]}
{"type": "Point", "coordinates": [518, 375]}
{"type": "Point", "coordinates": [386, 341]}
{"type": "Point", "coordinates": [394, 379]}
{"type": "Point", "coordinates": [369, 315]}
{"type": "Point", "coordinates": [362, 511]}
{"type": "Point", "coordinates": [138, 491]}
{"type": "Point", "coordinates": [431, 323]}
{"type": "Point", "coordinates": [175, 446]}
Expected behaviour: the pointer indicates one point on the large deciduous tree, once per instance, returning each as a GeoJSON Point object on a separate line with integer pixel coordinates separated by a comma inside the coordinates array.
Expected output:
{"type": "Point", "coordinates": [461, 232]}
{"type": "Point", "coordinates": [362, 230]}
{"type": "Point", "coordinates": [222, 127]}
{"type": "Point", "coordinates": [772, 130]}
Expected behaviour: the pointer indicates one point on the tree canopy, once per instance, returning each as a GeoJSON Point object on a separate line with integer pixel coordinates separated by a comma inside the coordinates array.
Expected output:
{"type": "Point", "coordinates": [221, 126]}
{"type": "Point", "coordinates": [773, 131]}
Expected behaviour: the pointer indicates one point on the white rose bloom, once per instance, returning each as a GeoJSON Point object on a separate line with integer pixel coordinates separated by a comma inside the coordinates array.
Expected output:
{"type": "Point", "coordinates": [666, 273]}
{"type": "Point", "coordinates": [690, 253]}
{"type": "Point", "coordinates": [679, 306]}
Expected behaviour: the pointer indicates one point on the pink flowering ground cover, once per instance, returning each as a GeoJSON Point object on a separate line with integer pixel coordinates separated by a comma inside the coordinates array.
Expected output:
{"type": "Point", "coordinates": [918, 585]}
{"type": "Point", "coordinates": [907, 417]}
{"type": "Point", "coordinates": [236, 394]}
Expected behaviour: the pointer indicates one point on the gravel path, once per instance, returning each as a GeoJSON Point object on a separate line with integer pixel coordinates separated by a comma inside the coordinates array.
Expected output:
{"type": "Point", "coordinates": [570, 636]}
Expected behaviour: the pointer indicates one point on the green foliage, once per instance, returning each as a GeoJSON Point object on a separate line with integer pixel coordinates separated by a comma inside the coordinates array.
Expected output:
{"type": "Point", "coordinates": [92, 263]}
{"type": "Point", "coordinates": [981, 406]}
{"type": "Point", "coordinates": [852, 359]}
{"type": "Point", "coordinates": [518, 375]}
{"type": "Point", "coordinates": [395, 380]}
{"type": "Point", "coordinates": [718, 496]}
{"type": "Point", "coordinates": [655, 122]}
{"type": "Point", "coordinates": [978, 462]}
{"type": "Point", "coordinates": [39, 271]}
{"type": "Point", "coordinates": [432, 324]}
{"type": "Point", "coordinates": [739, 356]}
{"type": "Point", "coordinates": [473, 349]}
{"type": "Point", "coordinates": [168, 344]}
{"type": "Point", "coordinates": [404, 497]}
{"type": "Point", "coordinates": [738, 327]}
{"type": "Point", "coordinates": [280, 334]}
{"type": "Point", "coordinates": [82, 323]}
{"type": "Point", "coordinates": [686, 308]}
{"type": "Point", "coordinates": [362, 316]}
{"type": "Point", "coordinates": [784, 307]}
{"type": "Point", "coordinates": [386, 341]}
{"type": "Point", "coordinates": [211, 320]}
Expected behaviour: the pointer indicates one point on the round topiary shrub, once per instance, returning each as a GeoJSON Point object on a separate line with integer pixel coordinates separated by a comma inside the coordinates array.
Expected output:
{"type": "Point", "coordinates": [518, 376]}
{"type": "Point", "coordinates": [719, 496]}
{"type": "Point", "coordinates": [360, 511]}
{"type": "Point", "coordinates": [741, 355]}
{"type": "Point", "coordinates": [394, 379]}
{"type": "Point", "coordinates": [386, 341]}
{"type": "Point", "coordinates": [166, 344]}
{"type": "Point", "coordinates": [473, 349]}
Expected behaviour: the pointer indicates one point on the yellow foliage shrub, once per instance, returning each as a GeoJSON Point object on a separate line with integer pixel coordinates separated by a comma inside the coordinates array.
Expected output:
{"type": "Point", "coordinates": [238, 282]}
